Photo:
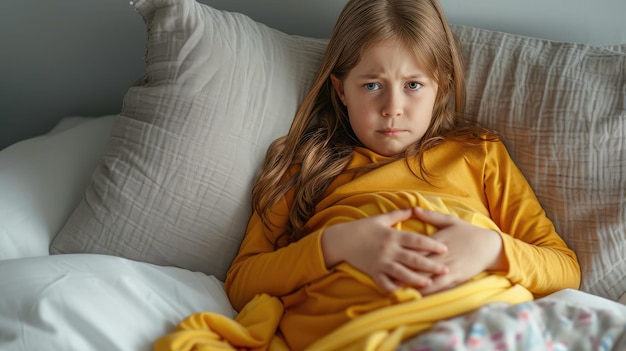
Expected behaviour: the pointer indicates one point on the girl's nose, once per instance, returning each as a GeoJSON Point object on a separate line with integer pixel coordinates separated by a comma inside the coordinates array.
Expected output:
{"type": "Point", "coordinates": [392, 106]}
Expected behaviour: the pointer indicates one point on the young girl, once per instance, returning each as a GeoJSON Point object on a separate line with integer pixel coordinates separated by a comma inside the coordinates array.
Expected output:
{"type": "Point", "coordinates": [383, 210]}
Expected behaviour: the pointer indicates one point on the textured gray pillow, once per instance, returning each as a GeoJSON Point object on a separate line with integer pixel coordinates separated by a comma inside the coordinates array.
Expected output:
{"type": "Point", "coordinates": [561, 108]}
{"type": "Point", "coordinates": [174, 185]}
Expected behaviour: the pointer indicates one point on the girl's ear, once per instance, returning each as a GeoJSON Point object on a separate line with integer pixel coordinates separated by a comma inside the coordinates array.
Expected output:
{"type": "Point", "coordinates": [338, 85]}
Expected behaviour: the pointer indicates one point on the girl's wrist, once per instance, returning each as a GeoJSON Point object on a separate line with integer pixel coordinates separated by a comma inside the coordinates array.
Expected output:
{"type": "Point", "coordinates": [330, 245]}
{"type": "Point", "coordinates": [500, 263]}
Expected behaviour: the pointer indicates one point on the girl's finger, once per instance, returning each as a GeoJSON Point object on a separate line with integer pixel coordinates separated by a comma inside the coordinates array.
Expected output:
{"type": "Point", "coordinates": [402, 275]}
{"type": "Point", "coordinates": [438, 219]}
{"type": "Point", "coordinates": [421, 263]}
{"type": "Point", "coordinates": [421, 243]}
{"type": "Point", "coordinates": [394, 217]}
{"type": "Point", "coordinates": [387, 283]}
{"type": "Point", "coordinates": [439, 283]}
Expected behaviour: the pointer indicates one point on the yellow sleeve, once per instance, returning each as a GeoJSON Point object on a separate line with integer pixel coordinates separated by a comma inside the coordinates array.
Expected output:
{"type": "Point", "coordinates": [258, 268]}
{"type": "Point", "coordinates": [538, 258]}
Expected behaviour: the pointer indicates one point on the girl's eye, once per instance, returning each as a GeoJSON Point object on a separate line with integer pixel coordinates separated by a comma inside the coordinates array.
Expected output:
{"type": "Point", "coordinates": [371, 86]}
{"type": "Point", "coordinates": [413, 85]}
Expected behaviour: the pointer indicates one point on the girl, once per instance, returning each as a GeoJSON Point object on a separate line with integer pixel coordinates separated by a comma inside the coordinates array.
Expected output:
{"type": "Point", "coordinates": [383, 210]}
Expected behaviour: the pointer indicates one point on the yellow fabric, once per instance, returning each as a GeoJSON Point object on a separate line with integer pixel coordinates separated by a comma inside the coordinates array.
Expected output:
{"type": "Point", "coordinates": [253, 329]}
{"type": "Point", "coordinates": [290, 301]}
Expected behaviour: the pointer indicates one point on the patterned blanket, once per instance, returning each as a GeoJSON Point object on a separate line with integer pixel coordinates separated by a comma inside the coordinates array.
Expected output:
{"type": "Point", "coordinates": [541, 325]}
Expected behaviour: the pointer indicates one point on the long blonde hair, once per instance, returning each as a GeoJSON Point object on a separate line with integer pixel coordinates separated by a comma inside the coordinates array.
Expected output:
{"type": "Point", "coordinates": [320, 141]}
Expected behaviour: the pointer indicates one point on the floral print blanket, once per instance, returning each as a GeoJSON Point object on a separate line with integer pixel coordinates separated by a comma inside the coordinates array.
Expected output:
{"type": "Point", "coordinates": [540, 325]}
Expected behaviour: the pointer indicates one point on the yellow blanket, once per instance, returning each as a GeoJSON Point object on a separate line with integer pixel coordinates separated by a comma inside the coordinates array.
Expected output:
{"type": "Point", "coordinates": [346, 306]}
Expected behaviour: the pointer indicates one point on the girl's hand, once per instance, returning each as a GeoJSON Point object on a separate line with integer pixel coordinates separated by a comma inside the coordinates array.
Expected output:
{"type": "Point", "coordinates": [471, 250]}
{"type": "Point", "coordinates": [392, 258]}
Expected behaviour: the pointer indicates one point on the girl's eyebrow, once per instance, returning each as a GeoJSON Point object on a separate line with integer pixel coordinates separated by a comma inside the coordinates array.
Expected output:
{"type": "Point", "coordinates": [376, 76]}
{"type": "Point", "coordinates": [416, 76]}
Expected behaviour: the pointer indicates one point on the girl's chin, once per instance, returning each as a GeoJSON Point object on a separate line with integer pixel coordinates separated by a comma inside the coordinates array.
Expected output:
{"type": "Point", "coordinates": [389, 152]}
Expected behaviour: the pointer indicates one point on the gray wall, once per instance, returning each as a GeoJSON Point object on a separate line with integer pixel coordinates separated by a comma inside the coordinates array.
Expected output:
{"type": "Point", "coordinates": [77, 57]}
{"type": "Point", "coordinates": [61, 58]}
{"type": "Point", "coordinates": [601, 22]}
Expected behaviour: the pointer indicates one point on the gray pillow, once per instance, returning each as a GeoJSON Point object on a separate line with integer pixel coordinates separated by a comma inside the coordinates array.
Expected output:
{"type": "Point", "coordinates": [561, 108]}
{"type": "Point", "coordinates": [174, 185]}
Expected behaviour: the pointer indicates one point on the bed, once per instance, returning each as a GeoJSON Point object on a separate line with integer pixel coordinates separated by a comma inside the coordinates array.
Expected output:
{"type": "Point", "coordinates": [114, 228]}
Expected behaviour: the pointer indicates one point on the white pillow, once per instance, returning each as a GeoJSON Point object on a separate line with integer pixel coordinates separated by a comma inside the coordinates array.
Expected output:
{"type": "Point", "coordinates": [42, 180]}
{"type": "Point", "coordinates": [95, 302]}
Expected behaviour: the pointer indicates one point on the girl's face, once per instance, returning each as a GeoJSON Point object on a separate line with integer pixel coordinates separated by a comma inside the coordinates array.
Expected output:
{"type": "Point", "coordinates": [388, 97]}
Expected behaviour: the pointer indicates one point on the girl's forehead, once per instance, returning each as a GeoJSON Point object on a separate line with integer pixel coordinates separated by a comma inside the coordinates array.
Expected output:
{"type": "Point", "coordinates": [387, 51]}
{"type": "Point", "coordinates": [392, 47]}
{"type": "Point", "coordinates": [395, 42]}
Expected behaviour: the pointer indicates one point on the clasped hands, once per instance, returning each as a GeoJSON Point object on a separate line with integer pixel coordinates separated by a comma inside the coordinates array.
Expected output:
{"type": "Point", "coordinates": [393, 258]}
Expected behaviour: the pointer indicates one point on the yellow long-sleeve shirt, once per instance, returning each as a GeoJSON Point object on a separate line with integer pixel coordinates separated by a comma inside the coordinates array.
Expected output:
{"type": "Point", "coordinates": [292, 290]}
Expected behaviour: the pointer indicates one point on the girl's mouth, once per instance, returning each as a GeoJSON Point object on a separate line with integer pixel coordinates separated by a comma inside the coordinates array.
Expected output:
{"type": "Point", "coordinates": [391, 131]}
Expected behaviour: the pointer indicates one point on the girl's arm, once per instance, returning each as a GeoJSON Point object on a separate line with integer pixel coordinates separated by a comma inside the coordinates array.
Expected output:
{"type": "Point", "coordinates": [391, 257]}
{"type": "Point", "coordinates": [471, 250]}
{"type": "Point", "coordinates": [537, 256]}
{"type": "Point", "coordinates": [527, 250]}
{"type": "Point", "coordinates": [258, 268]}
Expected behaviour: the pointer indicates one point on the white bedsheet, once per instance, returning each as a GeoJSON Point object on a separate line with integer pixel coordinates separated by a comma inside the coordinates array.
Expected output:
{"type": "Point", "coordinates": [90, 302]}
